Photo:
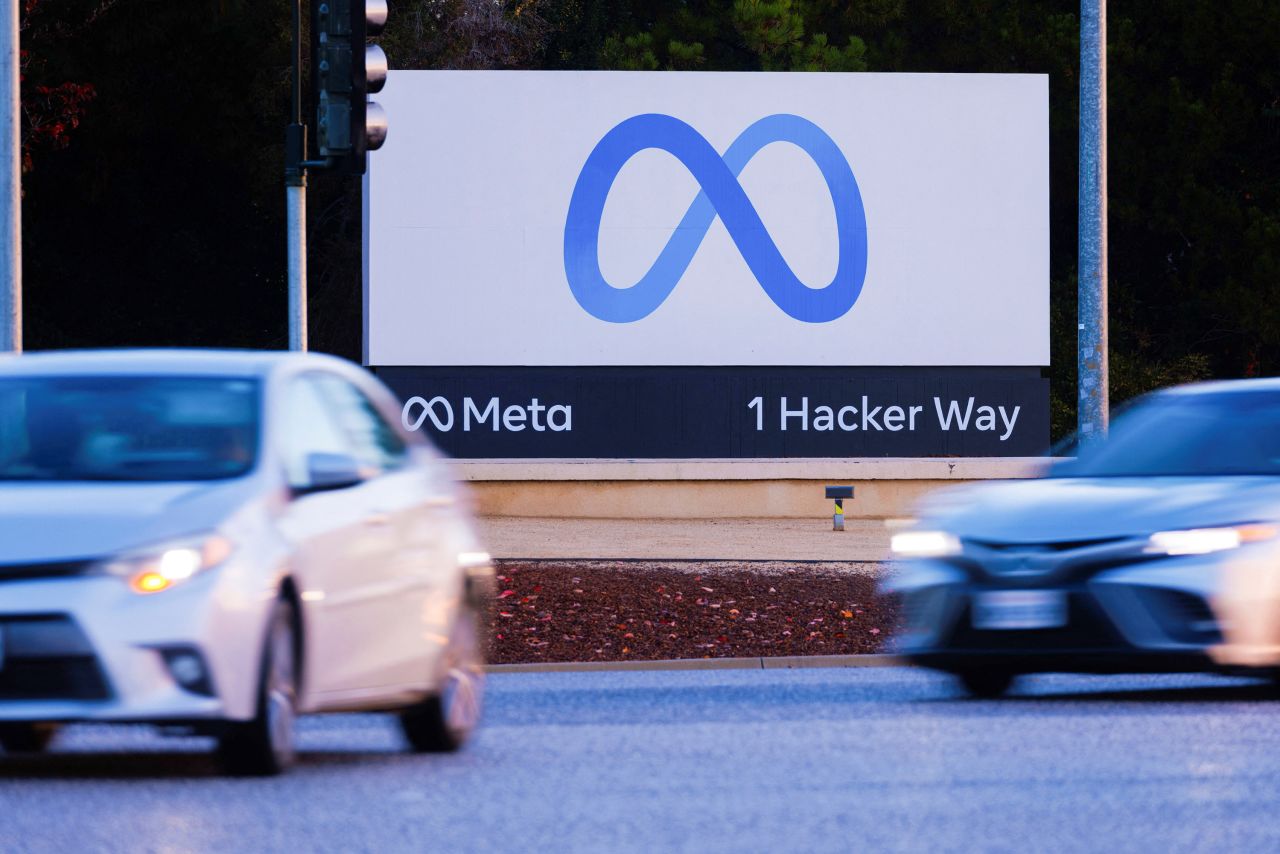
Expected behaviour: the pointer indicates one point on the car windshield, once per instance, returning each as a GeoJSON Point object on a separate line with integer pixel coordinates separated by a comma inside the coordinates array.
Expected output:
{"type": "Point", "coordinates": [127, 428]}
{"type": "Point", "coordinates": [1205, 434]}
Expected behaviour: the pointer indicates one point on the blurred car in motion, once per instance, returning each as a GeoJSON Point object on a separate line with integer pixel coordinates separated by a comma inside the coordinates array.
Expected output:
{"type": "Point", "coordinates": [219, 541]}
{"type": "Point", "coordinates": [1157, 549]}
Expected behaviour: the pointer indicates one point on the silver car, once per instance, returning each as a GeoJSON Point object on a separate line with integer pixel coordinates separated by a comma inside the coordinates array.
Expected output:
{"type": "Point", "coordinates": [1121, 560]}
{"type": "Point", "coordinates": [220, 541]}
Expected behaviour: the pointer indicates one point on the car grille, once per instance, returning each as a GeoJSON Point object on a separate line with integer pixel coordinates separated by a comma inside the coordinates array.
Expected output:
{"type": "Point", "coordinates": [48, 657]}
{"type": "Point", "coordinates": [1087, 630]}
{"type": "Point", "coordinates": [53, 679]}
{"type": "Point", "coordinates": [1184, 616]}
{"type": "Point", "coordinates": [1062, 561]}
{"type": "Point", "coordinates": [1056, 546]}
{"type": "Point", "coordinates": [60, 569]}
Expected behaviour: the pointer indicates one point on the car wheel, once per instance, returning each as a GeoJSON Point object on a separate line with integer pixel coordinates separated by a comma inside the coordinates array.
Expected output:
{"type": "Point", "coordinates": [26, 738]}
{"type": "Point", "coordinates": [443, 722]}
{"type": "Point", "coordinates": [263, 745]}
{"type": "Point", "coordinates": [986, 683]}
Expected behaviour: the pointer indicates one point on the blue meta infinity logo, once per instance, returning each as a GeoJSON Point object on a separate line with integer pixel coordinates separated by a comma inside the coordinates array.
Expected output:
{"type": "Point", "coordinates": [721, 195]}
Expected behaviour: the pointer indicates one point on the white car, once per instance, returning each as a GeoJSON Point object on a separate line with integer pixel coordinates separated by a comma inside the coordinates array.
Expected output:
{"type": "Point", "coordinates": [220, 541]}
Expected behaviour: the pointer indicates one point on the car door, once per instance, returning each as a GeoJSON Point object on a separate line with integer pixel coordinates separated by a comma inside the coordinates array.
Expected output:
{"type": "Point", "coordinates": [403, 610]}
{"type": "Point", "coordinates": [339, 539]}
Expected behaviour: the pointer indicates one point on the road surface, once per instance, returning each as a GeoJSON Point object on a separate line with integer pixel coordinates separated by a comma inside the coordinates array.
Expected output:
{"type": "Point", "coordinates": [803, 760]}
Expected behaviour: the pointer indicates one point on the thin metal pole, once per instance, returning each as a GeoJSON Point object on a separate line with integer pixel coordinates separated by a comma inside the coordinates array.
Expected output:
{"type": "Point", "coordinates": [296, 200]}
{"type": "Point", "coordinates": [1092, 274]}
{"type": "Point", "coordinates": [10, 183]}
{"type": "Point", "coordinates": [295, 179]}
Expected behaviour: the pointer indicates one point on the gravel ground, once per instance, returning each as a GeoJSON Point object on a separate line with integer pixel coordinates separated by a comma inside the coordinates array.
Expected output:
{"type": "Point", "coordinates": [637, 610]}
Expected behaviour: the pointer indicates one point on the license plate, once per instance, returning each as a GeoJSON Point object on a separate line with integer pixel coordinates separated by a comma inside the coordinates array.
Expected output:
{"type": "Point", "coordinates": [1020, 609]}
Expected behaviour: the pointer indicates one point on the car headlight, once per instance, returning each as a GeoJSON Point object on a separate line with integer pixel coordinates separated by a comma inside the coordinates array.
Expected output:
{"type": "Point", "coordinates": [1201, 541]}
{"type": "Point", "coordinates": [924, 544]}
{"type": "Point", "coordinates": [474, 560]}
{"type": "Point", "coordinates": [157, 568]}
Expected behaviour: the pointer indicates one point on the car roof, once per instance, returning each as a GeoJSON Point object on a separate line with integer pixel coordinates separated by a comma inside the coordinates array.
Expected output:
{"type": "Point", "coordinates": [163, 362]}
{"type": "Point", "coordinates": [1226, 386]}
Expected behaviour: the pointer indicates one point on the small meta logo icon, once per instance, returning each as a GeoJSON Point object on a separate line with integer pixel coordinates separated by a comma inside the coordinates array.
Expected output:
{"type": "Point", "coordinates": [721, 195]}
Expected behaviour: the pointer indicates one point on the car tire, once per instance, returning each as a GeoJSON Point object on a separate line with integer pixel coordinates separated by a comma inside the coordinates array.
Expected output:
{"type": "Point", "coordinates": [26, 738]}
{"type": "Point", "coordinates": [987, 684]}
{"type": "Point", "coordinates": [444, 721]}
{"type": "Point", "coordinates": [263, 746]}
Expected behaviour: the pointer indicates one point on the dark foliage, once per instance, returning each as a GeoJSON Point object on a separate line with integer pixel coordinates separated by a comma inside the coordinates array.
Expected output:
{"type": "Point", "coordinates": [154, 211]}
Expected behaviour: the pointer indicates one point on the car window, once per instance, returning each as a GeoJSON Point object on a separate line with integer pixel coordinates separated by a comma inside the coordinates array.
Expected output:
{"type": "Point", "coordinates": [309, 428]}
{"type": "Point", "coordinates": [374, 442]}
{"type": "Point", "coordinates": [127, 428]}
{"type": "Point", "coordinates": [1188, 435]}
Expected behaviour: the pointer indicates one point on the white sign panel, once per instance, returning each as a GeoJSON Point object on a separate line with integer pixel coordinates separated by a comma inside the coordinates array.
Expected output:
{"type": "Point", "coordinates": [633, 218]}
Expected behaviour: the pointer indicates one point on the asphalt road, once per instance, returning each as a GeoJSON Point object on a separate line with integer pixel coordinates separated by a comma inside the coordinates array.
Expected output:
{"type": "Point", "coordinates": [805, 760]}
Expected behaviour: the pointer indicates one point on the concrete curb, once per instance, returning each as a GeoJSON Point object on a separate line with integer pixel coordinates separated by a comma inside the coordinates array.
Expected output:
{"type": "Point", "coordinates": [785, 662]}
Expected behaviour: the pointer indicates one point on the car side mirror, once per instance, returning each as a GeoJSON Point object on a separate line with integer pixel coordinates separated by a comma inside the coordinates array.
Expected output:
{"type": "Point", "coordinates": [327, 471]}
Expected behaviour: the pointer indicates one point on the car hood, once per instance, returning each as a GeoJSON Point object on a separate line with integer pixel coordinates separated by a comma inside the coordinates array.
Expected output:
{"type": "Point", "coordinates": [48, 522]}
{"type": "Point", "coordinates": [1075, 509]}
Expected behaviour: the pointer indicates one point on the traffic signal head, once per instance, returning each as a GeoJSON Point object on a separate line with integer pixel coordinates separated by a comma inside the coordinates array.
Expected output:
{"type": "Point", "coordinates": [344, 71]}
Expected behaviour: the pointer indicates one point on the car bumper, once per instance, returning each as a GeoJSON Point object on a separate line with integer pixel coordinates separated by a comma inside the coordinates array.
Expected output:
{"type": "Point", "coordinates": [1154, 617]}
{"type": "Point", "coordinates": [1249, 606]}
{"type": "Point", "coordinates": [1068, 661]}
{"type": "Point", "coordinates": [88, 649]}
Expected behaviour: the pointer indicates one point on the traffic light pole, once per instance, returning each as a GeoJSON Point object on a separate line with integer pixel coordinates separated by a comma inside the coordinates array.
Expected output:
{"type": "Point", "coordinates": [344, 70]}
{"type": "Point", "coordinates": [295, 188]}
{"type": "Point", "coordinates": [10, 183]}
{"type": "Point", "coordinates": [296, 205]}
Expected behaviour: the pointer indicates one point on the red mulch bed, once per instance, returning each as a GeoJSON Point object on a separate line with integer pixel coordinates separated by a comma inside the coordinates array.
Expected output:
{"type": "Point", "coordinates": [615, 611]}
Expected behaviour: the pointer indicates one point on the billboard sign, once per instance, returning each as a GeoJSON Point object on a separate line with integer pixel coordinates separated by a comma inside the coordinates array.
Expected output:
{"type": "Point", "coordinates": [664, 240]}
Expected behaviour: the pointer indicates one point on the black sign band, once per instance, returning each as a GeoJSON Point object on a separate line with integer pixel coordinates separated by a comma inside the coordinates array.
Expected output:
{"type": "Point", "coordinates": [710, 412]}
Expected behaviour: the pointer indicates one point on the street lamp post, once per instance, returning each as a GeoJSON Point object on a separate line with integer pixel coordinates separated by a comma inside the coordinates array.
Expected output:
{"type": "Point", "coordinates": [1092, 269]}
{"type": "Point", "coordinates": [10, 183]}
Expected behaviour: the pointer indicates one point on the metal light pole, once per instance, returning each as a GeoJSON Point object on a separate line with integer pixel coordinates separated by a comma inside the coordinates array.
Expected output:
{"type": "Point", "coordinates": [1092, 274]}
{"type": "Point", "coordinates": [296, 203]}
{"type": "Point", "coordinates": [10, 183]}
{"type": "Point", "coordinates": [295, 180]}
